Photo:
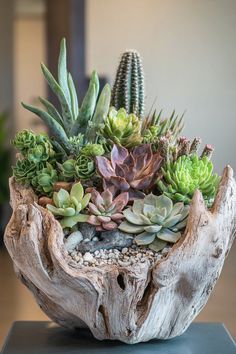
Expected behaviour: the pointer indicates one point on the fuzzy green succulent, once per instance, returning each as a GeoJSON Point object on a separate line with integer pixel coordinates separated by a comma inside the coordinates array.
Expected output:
{"type": "Point", "coordinates": [155, 220]}
{"type": "Point", "coordinates": [44, 180]}
{"type": "Point", "coordinates": [25, 170]}
{"type": "Point", "coordinates": [67, 125]}
{"type": "Point", "coordinates": [68, 206]}
{"type": "Point", "coordinates": [122, 129]}
{"type": "Point", "coordinates": [182, 177]}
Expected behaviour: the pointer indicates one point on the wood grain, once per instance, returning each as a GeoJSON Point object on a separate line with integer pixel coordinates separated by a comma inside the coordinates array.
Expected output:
{"type": "Point", "coordinates": [131, 304]}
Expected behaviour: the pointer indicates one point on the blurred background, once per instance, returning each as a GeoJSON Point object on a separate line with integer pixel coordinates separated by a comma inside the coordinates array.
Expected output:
{"type": "Point", "coordinates": [189, 55]}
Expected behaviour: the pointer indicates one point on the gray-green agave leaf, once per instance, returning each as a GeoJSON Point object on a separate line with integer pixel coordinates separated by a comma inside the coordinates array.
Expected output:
{"type": "Point", "coordinates": [155, 220]}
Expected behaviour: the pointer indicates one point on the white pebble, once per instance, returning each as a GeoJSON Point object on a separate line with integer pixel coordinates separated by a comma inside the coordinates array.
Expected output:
{"type": "Point", "coordinates": [88, 257]}
{"type": "Point", "coordinates": [124, 250]}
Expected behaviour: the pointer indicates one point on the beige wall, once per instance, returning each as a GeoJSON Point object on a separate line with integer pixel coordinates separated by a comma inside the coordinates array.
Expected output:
{"type": "Point", "coordinates": [189, 55]}
{"type": "Point", "coordinates": [29, 51]}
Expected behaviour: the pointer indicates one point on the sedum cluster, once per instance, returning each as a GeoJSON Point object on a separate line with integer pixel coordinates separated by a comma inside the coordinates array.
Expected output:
{"type": "Point", "coordinates": [108, 165]}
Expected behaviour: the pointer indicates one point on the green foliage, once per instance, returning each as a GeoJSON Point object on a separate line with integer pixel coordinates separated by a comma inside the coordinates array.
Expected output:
{"type": "Point", "coordinates": [122, 128]}
{"type": "Point", "coordinates": [85, 167]}
{"type": "Point", "coordinates": [25, 140]}
{"type": "Point", "coordinates": [155, 221]}
{"type": "Point", "coordinates": [72, 123]}
{"type": "Point", "coordinates": [154, 127]}
{"type": "Point", "coordinates": [128, 89]}
{"type": "Point", "coordinates": [182, 177]}
{"type": "Point", "coordinates": [36, 148]}
{"type": "Point", "coordinates": [44, 180]}
{"type": "Point", "coordinates": [81, 168]}
{"type": "Point", "coordinates": [25, 170]}
{"type": "Point", "coordinates": [106, 212]}
{"type": "Point", "coordinates": [68, 206]}
{"type": "Point", "coordinates": [93, 150]}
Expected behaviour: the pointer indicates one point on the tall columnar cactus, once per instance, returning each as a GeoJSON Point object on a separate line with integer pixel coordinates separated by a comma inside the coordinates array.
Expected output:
{"type": "Point", "coordinates": [128, 88]}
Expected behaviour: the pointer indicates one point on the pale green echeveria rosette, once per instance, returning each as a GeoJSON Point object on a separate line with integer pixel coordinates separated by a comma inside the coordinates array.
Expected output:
{"type": "Point", "coordinates": [44, 180]}
{"type": "Point", "coordinates": [155, 221]}
{"type": "Point", "coordinates": [69, 205]}
{"type": "Point", "coordinates": [182, 177]}
{"type": "Point", "coordinates": [122, 129]}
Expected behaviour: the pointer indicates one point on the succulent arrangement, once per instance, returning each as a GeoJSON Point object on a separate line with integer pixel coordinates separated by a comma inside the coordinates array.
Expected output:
{"type": "Point", "coordinates": [107, 166]}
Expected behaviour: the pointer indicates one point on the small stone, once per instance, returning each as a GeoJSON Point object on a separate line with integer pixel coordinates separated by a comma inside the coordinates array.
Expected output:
{"type": "Point", "coordinates": [86, 240]}
{"type": "Point", "coordinates": [73, 240]}
{"type": "Point", "coordinates": [85, 263]}
{"type": "Point", "coordinates": [88, 257]}
{"type": "Point", "coordinates": [95, 238]}
{"type": "Point", "coordinates": [124, 250]}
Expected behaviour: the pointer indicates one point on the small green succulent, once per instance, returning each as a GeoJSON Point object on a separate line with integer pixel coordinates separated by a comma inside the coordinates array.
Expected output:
{"type": "Point", "coordinates": [76, 143]}
{"type": "Point", "coordinates": [42, 151]}
{"type": "Point", "coordinates": [25, 140]}
{"type": "Point", "coordinates": [25, 170]}
{"type": "Point", "coordinates": [122, 128]}
{"type": "Point", "coordinates": [69, 205]}
{"type": "Point", "coordinates": [44, 180]}
{"type": "Point", "coordinates": [93, 150]}
{"type": "Point", "coordinates": [155, 221]}
{"type": "Point", "coordinates": [85, 167]}
{"type": "Point", "coordinates": [67, 169]}
{"type": "Point", "coordinates": [182, 177]}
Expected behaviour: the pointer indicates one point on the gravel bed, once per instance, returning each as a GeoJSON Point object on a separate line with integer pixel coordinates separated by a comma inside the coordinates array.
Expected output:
{"type": "Point", "coordinates": [126, 257]}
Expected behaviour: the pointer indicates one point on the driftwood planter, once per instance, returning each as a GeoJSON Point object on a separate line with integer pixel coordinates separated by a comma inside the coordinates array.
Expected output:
{"type": "Point", "coordinates": [131, 304]}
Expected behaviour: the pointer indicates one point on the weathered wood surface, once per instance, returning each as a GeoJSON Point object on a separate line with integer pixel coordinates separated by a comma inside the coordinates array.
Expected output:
{"type": "Point", "coordinates": [131, 304]}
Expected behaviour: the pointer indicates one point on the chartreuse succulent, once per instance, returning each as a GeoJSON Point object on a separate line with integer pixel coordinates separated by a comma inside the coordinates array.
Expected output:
{"type": "Point", "coordinates": [182, 177]}
{"type": "Point", "coordinates": [68, 206]}
{"type": "Point", "coordinates": [155, 221]}
{"type": "Point", "coordinates": [44, 180]}
{"type": "Point", "coordinates": [106, 211]}
{"type": "Point", "coordinates": [128, 89]}
{"type": "Point", "coordinates": [122, 128]}
{"type": "Point", "coordinates": [72, 122]}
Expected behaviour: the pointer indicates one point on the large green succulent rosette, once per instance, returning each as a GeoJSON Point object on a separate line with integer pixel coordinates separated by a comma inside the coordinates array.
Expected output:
{"type": "Point", "coordinates": [122, 128]}
{"type": "Point", "coordinates": [182, 177]}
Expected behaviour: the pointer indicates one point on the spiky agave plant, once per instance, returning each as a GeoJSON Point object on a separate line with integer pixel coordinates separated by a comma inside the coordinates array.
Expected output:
{"type": "Point", "coordinates": [73, 120]}
{"type": "Point", "coordinates": [128, 89]}
{"type": "Point", "coordinates": [154, 127]}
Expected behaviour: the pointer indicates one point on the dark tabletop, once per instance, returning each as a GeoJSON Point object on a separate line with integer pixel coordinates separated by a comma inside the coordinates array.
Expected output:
{"type": "Point", "coordinates": [46, 338]}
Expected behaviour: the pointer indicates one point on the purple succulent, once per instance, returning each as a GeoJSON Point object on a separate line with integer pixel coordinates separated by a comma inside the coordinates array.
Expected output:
{"type": "Point", "coordinates": [106, 213]}
{"type": "Point", "coordinates": [131, 171]}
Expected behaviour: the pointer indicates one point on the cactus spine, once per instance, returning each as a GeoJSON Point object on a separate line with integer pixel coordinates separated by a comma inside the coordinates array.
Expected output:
{"type": "Point", "coordinates": [128, 89]}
